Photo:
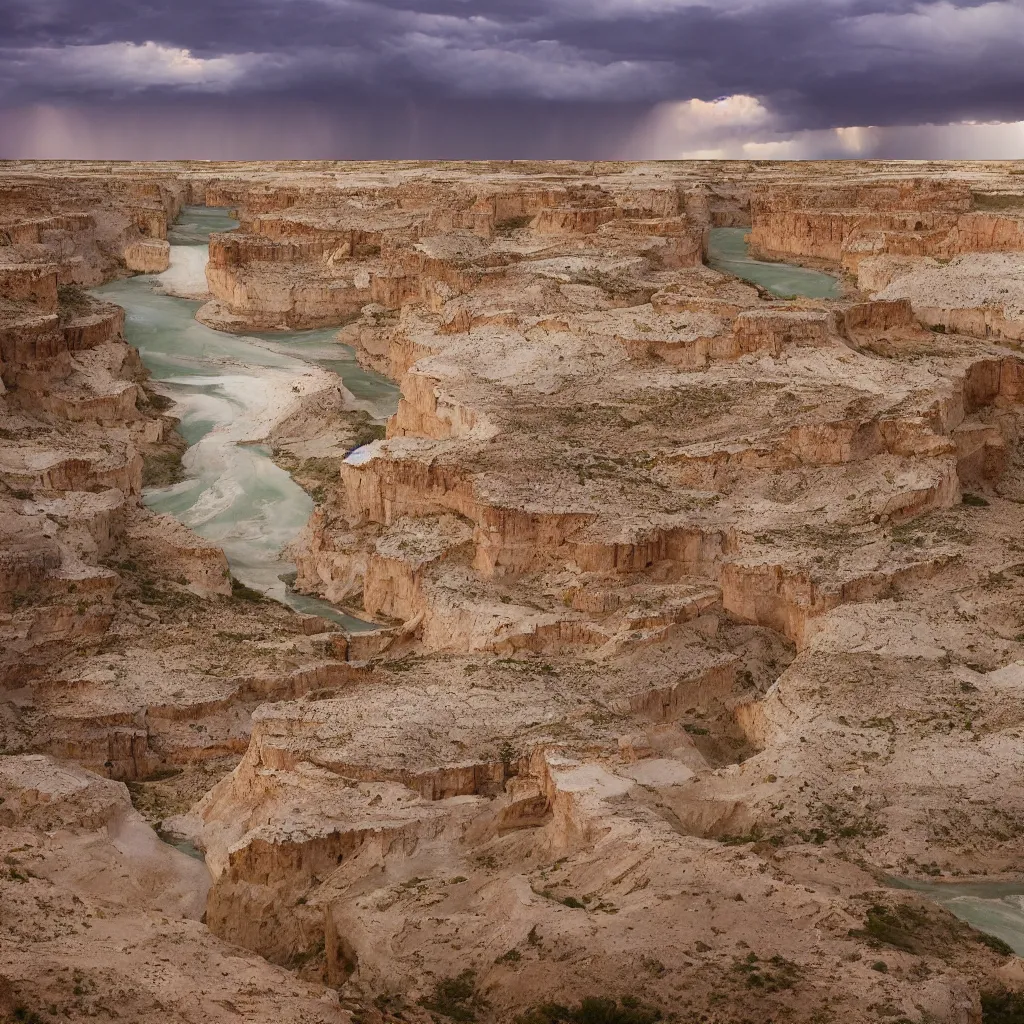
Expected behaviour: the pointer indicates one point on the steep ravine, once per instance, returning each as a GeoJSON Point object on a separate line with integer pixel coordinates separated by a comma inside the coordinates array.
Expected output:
{"type": "Point", "coordinates": [229, 393]}
{"type": "Point", "coordinates": [728, 252]}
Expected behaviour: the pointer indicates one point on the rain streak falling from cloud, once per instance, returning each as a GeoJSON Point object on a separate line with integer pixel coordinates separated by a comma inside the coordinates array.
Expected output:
{"type": "Point", "coordinates": [504, 78]}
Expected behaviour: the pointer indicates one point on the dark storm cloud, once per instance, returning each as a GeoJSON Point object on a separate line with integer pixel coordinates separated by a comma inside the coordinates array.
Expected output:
{"type": "Point", "coordinates": [812, 63]}
{"type": "Point", "coordinates": [238, 128]}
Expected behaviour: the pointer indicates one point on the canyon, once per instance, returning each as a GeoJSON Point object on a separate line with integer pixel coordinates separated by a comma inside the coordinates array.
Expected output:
{"type": "Point", "coordinates": [511, 591]}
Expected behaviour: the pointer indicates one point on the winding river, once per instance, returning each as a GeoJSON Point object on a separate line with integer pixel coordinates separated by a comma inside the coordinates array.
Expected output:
{"type": "Point", "coordinates": [229, 391]}
{"type": "Point", "coordinates": [728, 252]}
{"type": "Point", "coordinates": [996, 908]}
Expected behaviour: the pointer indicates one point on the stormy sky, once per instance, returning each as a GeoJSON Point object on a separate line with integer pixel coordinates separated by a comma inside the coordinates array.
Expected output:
{"type": "Point", "coordinates": [511, 78]}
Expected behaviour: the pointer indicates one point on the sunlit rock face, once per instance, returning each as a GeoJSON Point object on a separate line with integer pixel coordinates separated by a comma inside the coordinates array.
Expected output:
{"type": "Point", "coordinates": [845, 223]}
{"type": "Point", "coordinates": [513, 570]}
{"type": "Point", "coordinates": [148, 256]}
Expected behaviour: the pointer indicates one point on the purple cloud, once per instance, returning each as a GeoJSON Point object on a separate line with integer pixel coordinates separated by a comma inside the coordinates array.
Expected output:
{"type": "Point", "coordinates": [814, 64]}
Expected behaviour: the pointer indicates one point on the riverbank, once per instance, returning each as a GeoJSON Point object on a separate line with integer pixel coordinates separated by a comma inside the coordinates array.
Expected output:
{"type": "Point", "coordinates": [230, 393]}
{"type": "Point", "coordinates": [728, 251]}
{"type": "Point", "coordinates": [995, 908]}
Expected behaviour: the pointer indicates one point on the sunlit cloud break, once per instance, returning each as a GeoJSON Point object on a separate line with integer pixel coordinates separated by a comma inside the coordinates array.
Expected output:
{"type": "Point", "coordinates": [518, 78]}
{"type": "Point", "coordinates": [741, 127]}
{"type": "Point", "coordinates": [134, 66]}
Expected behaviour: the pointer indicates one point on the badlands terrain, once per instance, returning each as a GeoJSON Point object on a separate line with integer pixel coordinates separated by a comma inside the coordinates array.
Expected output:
{"type": "Point", "coordinates": [530, 592]}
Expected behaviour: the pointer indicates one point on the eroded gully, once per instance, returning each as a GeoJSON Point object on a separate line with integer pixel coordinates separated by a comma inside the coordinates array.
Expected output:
{"type": "Point", "coordinates": [229, 391]}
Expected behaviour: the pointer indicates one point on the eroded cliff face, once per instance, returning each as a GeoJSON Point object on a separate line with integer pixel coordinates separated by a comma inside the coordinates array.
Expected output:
{"type": "Point", "coordinates": [655, 443]}
{"type": "Point", "coordinates": [702, 606]}
{"type": "Point", "coordinates": [102, 917]}
{"type": "Point", "coordinates": [122, 645]}
{"type": "Point", "coordinates": [125, 654]}
{"type": "Point", "coordinates": [844, 223]}
{"type": "Point", "coordinates": [331, 252]}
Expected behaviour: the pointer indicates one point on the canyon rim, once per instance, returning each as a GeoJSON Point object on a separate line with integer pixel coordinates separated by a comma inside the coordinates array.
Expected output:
{"type": "Point", "coordinates": [512, 591]}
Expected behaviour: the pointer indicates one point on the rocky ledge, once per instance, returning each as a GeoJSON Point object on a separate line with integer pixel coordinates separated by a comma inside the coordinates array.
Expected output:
{"type": "Point", "coordinates": [701, 606]}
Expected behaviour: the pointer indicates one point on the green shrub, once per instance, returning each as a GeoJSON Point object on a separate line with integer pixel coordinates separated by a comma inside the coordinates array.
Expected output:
{"type": "Point", "coordinates": [241, 592]}
{"type": "Point", "coordinates": [366, 432]}
{"type": "Point", "coordinates": [594, 1010]}
{"type": "Point", "coordinates": [508, 755]}
{"type": "Point", "coordinates": [1002, 1007]}
{"type": "Point", "coordinates": [995, 943]}
{"type": "Point", "coordinates": [73, 298]}
{"type": "Point", "coordinates": [773, 976]}
{"type": "Point", "coordinates": [26, 1016]}
{"type": "Point", "coordinates": [455, 998]}
{"type": "Point", "coordinates": [897, 927]}
{"type": "Point", "coordinates": [510, 224]}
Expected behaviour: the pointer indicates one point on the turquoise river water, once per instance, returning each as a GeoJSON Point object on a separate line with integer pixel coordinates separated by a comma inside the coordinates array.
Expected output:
{"type": "Point", "coordinates": [996, 908]}
{"type": "Point", "coordinates": [233, 495]}
{"type": "Point", "coordinates": [228, 391]}
{"type": "Point", "coordinates": [727, 251]}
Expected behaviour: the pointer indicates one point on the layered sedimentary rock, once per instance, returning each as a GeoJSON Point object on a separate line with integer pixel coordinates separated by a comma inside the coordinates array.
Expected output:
{"type": "Point", "coordinates": [702, 606]}
{"type": "Point", "coordinates": [329, 254]}
{"type": "Point", "coordinates": [678, 473]}
{"type": "Point", "coordinates": [99, 913]}
{"type": "Point", "coordinates": [979, 295]}
{"type": "Point", "coordinates": [605, 457]}
{"type": "Point", "coordinates": [88, 221]}
{"type": "Point", "coordinates": [844, 223]}
{"type": "Point", "coordinates": [148, 256]}
{"type": "Point", "coordinates": [100, 598]}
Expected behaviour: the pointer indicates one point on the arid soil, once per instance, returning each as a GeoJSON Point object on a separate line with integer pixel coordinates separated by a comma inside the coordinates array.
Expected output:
{"type": "Point", "coordinates": [702, 608]}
